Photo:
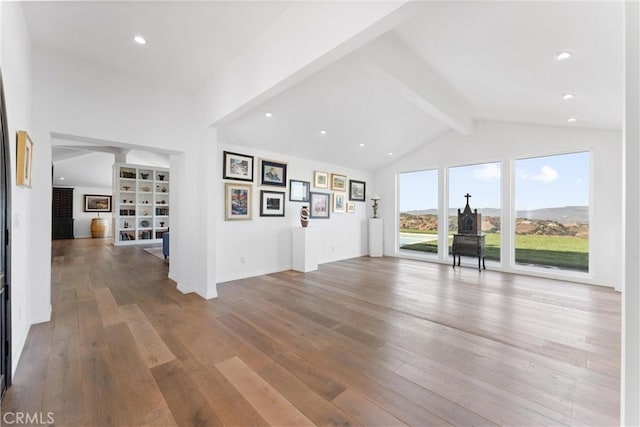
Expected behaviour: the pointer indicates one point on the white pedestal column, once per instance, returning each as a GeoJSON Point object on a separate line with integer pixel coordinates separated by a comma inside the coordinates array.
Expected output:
{"type": "Point", "coordinates": [375, 237]}
{"type": "Point", "coordinates": [304, 250]}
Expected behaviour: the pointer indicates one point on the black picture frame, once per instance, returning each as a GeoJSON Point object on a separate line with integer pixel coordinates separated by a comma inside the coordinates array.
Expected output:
{"type": "Point", "coordinates": [320, 205]}
{"type": "Point", "coordinates": [237, 167]}
{"type": "Point", "coordinates": [97, 203]}
{"type": "Point", "coordinates": [272, 203]}
{"type": "Point", "coordinates": [273, 173]}
{"type": "Point", "coordinates": [299, 190]}
{"type": "Point", "coordinates": [357, 190]}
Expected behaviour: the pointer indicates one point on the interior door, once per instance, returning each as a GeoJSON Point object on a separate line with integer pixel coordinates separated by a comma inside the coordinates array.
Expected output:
{"type": "Point", "coordinates": [5, 249]}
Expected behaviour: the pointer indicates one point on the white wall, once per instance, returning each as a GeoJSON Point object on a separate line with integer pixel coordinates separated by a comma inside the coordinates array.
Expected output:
{"type": "Point", "coordinates": [265, 242]}
{"type": "Point", "coordinates": [77, 98]}
{"type": "Point", "coordinates": [82, 219]}
{"type": "Point", "coordinates": [15, 60]}
{"type": "Point", "coordinates": [505, 142]}
{"type": "Point", "coordinates": [87, 170]}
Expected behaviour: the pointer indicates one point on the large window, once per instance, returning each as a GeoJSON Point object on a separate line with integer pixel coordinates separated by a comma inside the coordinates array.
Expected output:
{"type": "Point", "coordinates": [482, 182]}
{"type": "Point", "coordinates": [418, 198]}
{"type": "Point", "coordinates": [552, 211]}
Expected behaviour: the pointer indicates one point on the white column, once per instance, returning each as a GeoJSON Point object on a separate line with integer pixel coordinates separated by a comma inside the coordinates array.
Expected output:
{"type": "Point", "coordinates": [304, 249]}
{"type": "Point", "coordinates": [630, 399]}
{"type": "Point", "coordinates": [375, 237]}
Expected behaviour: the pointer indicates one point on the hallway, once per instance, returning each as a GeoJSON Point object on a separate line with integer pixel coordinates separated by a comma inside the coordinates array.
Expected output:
{"type": "Point", "coordinates": [363, 341]}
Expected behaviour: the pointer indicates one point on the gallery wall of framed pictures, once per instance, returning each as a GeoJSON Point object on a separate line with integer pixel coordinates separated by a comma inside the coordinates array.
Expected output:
{"type": "Point", "coordinates": [339, 196]}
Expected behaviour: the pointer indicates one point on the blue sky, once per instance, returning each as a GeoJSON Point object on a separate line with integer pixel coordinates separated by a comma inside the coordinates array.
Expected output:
{"type": "Point", "coordinates": [541, 182]}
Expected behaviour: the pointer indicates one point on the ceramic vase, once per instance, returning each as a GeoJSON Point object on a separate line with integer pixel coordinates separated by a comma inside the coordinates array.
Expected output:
{"type": "Point", "coordinates": [304, 216]}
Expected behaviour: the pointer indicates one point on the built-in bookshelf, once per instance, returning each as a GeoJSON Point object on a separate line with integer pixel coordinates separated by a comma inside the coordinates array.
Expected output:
{"type": "Point", "coordinates": [141, 204]}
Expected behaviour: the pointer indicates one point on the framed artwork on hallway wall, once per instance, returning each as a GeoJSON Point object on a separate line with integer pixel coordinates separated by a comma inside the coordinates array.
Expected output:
{"type": "Point", "coordinates": [272, 203]}
{"type": "Point", "coordinates": [338, 182]}
{"type": "Point", "coordinates": [238, 167]}
{"type": "Point", "coordinates": [237, 204]}
{"type": "Point", "coordinates": [320, 179]}
{"type": "Point", "coordinates": [299, 190]}
{"type": "Point", "coordinates": [24, 158]}
{"type": "Point", "coordinates": [320, 205]}
{"type": "Point", "coordinates": [273, 173]}
{"type": "Point", "coordinates": [97, 203]}
{"type": "Point", "coordinates": [339, 202]}
{"type": "Point", "coordinates": [357, 190]}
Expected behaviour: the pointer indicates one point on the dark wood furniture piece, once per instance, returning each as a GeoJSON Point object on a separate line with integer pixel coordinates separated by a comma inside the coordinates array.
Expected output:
{"type": "Point", "coordinates": [469, 241]}
{"type": "Point", "coordinates": [62, 213]}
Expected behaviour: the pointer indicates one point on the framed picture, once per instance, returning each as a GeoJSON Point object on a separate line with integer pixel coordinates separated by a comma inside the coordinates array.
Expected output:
{"type": "Point", "coordinates": [339, 202]}
{"type": "Point", "coordinates": [97, 203]}
{"type": "Point", "coordinates": [299, 190]}
{"type": "Point", "coordinates": [338, 182]}
{"type": "Point", "coordinates": [271, 203]}
{"type": "Point", "coordinates": [357, 190]}
{"type": "Point", "coordinates": [319, 205]}
{"type": "Point", "coordinates": [237, 201]}
{"type": "Point", "coordinates": [237, 166]}
{"type": "Point", "coordinates": [320, 179]}
{"type": "Point", "coordinates": [24, 158]}
{"type": "Point", "coordinates": [351, 207]}
{"type": "Point", "coordinates": [273, 173]}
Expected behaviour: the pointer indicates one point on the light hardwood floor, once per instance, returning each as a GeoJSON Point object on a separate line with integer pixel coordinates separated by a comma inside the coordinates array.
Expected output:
{"type": "Point", "coordinates": [367, 341]}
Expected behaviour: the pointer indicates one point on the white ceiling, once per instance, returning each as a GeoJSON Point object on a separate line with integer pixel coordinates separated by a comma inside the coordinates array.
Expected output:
{"type": "Point", "coordinates": [496, 56]}
{"type": "Point", "coordinates": [187, 40]}
{"type": "Point", "coordinates": [499, 57]}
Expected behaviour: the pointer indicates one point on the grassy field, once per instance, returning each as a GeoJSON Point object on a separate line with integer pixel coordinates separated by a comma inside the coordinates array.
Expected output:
{"type": "Point", "coordinates": [566, 252]}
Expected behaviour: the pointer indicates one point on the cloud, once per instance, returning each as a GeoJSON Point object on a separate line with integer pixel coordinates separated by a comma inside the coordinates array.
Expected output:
{"type": "Point", "coordinates": [546, 175]}
{"type": "Point", "coordinates": [488, 172]}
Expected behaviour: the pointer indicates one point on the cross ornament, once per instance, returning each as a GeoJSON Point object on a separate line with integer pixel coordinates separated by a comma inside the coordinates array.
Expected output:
{"type": "Point", "coordinates": [467, 196]}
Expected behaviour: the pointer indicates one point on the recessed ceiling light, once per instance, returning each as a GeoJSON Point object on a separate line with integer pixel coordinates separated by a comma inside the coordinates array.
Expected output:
{"type": "Point", "coordinates": [268, 114]}
{"type": "Point", "coordinates": [323, 132]}
{"type": "Point", "coordinates": [571, 119]}
{"type": "Point", "coordinates": [362, 144]}
{"type": "Point", "coordinates": [561, 56]}
{"type": "Point", "coordinates": [390, 153]}
{"type": "Point", "coordinates": [62, 178]}
{"type": "Point", "coordinates": [140, 40]}
{"type": "Point", "coordinates": [567, 96]}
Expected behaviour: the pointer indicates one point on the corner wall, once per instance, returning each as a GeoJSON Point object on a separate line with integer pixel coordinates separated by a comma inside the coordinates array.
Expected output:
{"type": "Point", "coordinates": [15, 60]}
{"type": "Point", "coordinates": [263, 244]}
{"type": "Point", "coordinates": [505, 142]}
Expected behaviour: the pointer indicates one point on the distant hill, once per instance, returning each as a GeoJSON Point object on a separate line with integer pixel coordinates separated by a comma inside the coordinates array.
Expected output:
{"type": "Point", "coordinates": [563, 215]}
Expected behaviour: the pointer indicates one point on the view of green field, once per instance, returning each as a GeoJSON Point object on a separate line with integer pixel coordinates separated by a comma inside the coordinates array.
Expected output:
{"type": "Point", "coordinates": [551, 209]}
{"type": "Point", "coordinates": [568, 252]}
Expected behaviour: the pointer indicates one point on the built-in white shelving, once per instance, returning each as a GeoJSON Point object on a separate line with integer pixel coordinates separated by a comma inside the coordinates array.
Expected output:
{"type": "Point", "coordinates": [141, 204]}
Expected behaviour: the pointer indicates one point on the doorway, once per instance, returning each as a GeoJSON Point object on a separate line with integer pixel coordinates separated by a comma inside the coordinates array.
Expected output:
{"type": "Point", "coordinates": [5, 249]}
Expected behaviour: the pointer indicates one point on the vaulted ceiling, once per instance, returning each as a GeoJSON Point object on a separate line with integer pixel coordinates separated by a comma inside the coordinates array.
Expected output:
{"type": "Point", "coordinates": [450, 64]}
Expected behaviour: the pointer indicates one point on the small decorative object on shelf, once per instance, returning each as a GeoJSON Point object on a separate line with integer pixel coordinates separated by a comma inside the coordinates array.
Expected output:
{"type": "Point", "coordinates": [161, 177]}
{"type": "Point", "coordinates": [375, 200]}
{"type": "Point", "coordinates": [161, 223]}
{"type": "Point", "coordinates": [144, 175]}
{"type": "Point", "coordinates": [304, 216]}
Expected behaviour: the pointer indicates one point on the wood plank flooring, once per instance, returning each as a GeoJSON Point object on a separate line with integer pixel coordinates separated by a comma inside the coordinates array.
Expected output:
{"type": "Point", "coordinates": [366, 341]}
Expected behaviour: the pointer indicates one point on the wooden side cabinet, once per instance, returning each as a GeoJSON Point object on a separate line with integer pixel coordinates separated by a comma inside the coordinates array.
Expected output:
{"type": "Point", "coordinates": [469, 245]}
